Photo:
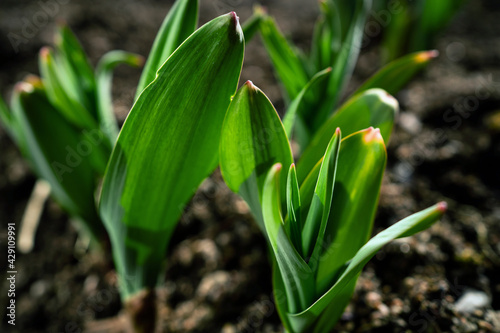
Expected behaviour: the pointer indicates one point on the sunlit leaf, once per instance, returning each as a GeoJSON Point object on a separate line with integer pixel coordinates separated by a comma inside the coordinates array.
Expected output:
{"type": "Point", "coordinates": [179, 23]}
{"type": "Point", "coordinates": [59, 152]}
{"type": "Point", "coordinates": [371, 108]}
{"type": "Point", "coordinates": [167, 146]}
{"type": "Point", "coordinates": [253, 139]}
{"type": "Point", "coordinates": [396, 74]}
{"type": "Point", "coordinates": [361, 165]}
{"type": "Point", "coordinates": [303, 321]}
{"type": "Point", "coordinates": [296, 275]}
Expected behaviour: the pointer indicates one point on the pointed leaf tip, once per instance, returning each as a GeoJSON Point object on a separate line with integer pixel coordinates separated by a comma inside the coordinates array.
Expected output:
{"type": "Point", "coordinates": [442, 206]}
{"type": "Point", "coordinates": [390, 100]}
{"type": "Point", "coordinates": [24, 87]}
{"type": "Point", "coordinates": [337, 131]}
{"type": "Point", "coordinates": [44, 52]}
{"type": "Point", "coordinates": [372, 134]}
{"type": "Point", "coordinates": [236, 21]}
{"type": "Point", "coordinates": [427, 55]}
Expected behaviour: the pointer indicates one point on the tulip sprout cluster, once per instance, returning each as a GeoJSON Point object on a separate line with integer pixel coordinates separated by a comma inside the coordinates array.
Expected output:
{"type": "Point", "coordinates": [317, 213]}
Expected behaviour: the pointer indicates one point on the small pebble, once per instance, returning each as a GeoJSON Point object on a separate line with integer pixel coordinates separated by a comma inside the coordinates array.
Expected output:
{"type": "Point", "coordinates": [472, 300]}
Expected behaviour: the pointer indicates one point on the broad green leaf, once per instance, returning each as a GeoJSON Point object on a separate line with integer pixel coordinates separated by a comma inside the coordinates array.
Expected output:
{"type": "Point", "coordinates": [104, 76]}
{"type": "Point", "coordinates": [253, 139]}
{"type": "Point", "coordinates": [59, 152]}
{"type": "Point", "coordinates": [167, 146]}
{"type": "Point", "coordinates": [319, 210]}
{"type": "Point", "coordinates": [77, 65]}
{"type": "Point", "coordinates": [294, 221]}
{"type": "Point", "coordinates": [297, 277]}
{"type": "Point", "coordinates": [352, 16]}
{"type": "Point", "coordinates": [284, 57]}
{"type": "Point", "coordinates": [179, 23]}
{"type": "Point", "coordinates": [62, 91]}
{"type": "Point", "coordinates": [371, 108]}
{"type": "Point", "coordinates": [396, 74]}
{"type": "Point", "coordinates": [302, 322]}
{"type": "Point", "coordinates": [303, 104]}
{"type": "Point", "coordinates": [361, 165]}
{"type": "Point", "coordinates": [251, 26]}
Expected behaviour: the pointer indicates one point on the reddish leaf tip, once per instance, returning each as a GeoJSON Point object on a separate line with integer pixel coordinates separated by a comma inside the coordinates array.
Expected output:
{"type": "Point", "coordinates": [24, 87]}
{"type": "Point", "coordinates": [442, 206]}
{"type": "Point", "coordinates": [433, 53]}
{"type": "Point", "coordinates": [235, 17]}
{"type": "Point", "coordinates": [251, 86]}
{"type": "Point", "coordinates": [427, 55]}
{"type": "Point", "coordinates": [337, 131]}
{"type": "Point", "coordinates": [44, 52]}
{"type": "Point", "coordinates": [277, 167]}
{"type": "Point", "coordinates": [372, 134]}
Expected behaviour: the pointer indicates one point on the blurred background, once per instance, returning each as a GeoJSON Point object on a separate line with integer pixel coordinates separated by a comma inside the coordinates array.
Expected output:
{"type": "Point", "coordinates": [446, 146]}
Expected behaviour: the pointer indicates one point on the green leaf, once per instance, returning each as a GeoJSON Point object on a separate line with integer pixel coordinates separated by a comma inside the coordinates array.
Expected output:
{"type": "Point", "coordinates": [284, 57]}
{"type": "Point", "coordinates": [253, 139]}
{"type": "Point", "coordinates": [167, 146]}
{"type": "Point", "coordinates": [307, 189]}
{"type": "Point", "coordinates": [433, 16]}
{"type": "Point", "coordinates": [396, 74]}
{"type": "Point", "coordinates": [395, 34]}
{"type": "Point", "coordinates": [371, 108]}
{"type": "Point", "coordinates": [297, 277]}
{"type": "Point", "coordinates": [179, 23]}
{"type": "Point", "coordinates": [302, 105]}
{"type": "Point", "coordinates": [104, 75]}
{"type": "Point", "coordinates": [361, 166]}
{"type": "Point", "coordinates": [59, 152]}
{"type": "Point", "coordinates": [8, 122]}
{"type": "Point", "coordinates": [301, 322]}
{"type": "Point", "coordinates": [326, 39]}
{"type": "Point", "coordinates": [77, 66]}
{"type": "Point", "coordinates": [345, 50]}
{"type": "Point", "coordinates": [62, 91]}
{"type": "Point", "coordinates": [317, 217]}
{"type": "Point", "coordinates": [294, 221]}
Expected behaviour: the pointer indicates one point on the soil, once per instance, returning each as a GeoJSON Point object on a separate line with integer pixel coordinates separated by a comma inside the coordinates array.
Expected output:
{"type": "Point", "coordinates": [446, 146]}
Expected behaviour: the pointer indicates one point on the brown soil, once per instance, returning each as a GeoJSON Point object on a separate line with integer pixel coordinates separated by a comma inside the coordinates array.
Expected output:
{"type": "Point", "coordinates": [446, 146]}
